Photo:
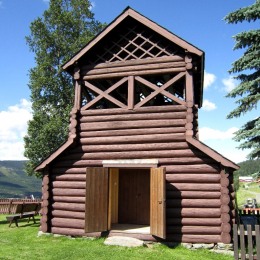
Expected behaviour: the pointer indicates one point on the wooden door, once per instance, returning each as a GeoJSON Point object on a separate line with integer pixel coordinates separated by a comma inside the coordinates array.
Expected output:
{"type": "Point", "coordinates": [157, 191]}
{"type": "Point", "coordinates": [96, 200]}
{"type": "Point", "coordinates": [134, 196]}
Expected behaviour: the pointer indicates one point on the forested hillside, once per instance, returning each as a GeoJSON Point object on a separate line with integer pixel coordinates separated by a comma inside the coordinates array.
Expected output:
{"type": "Point", "coordinates": [15, 183]}
{"type": "Point", "coordinates": [248, 167]}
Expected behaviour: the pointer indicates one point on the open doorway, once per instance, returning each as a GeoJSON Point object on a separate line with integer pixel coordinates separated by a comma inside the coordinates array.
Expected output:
{"type": "Point", "coordinates": [125, 199]}
{"type": "Point", "coordinates": [130, 200]}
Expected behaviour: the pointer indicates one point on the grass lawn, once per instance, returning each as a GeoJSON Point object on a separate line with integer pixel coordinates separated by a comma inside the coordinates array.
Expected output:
{"type": "Point", "coordinates": [23, 243]}
{"type": "Point", "coordinates": [247, 190]}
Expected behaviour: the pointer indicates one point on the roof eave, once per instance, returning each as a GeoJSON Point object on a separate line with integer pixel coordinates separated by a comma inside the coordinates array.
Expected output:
{"type": "Point", "coordinates": [54, 155]}
{"type": "Point", "coordinates": [212, 153]}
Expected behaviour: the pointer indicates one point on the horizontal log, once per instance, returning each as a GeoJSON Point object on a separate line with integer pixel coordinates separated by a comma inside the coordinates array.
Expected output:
{"type": "Point", "coordinates": [135, 116]}
{"type": "Point", "coordinates": [68, 199]}
{"type": "Point", "coordinates": [61, 162]}
{"type": "Point", "coordinates": [68, 231]}
{"type": "Point", "coordinates": [185, 160]}
{"type": "Point", "coordinates": [68, 223]}
{"type": "Point", "coordinates": [134, 62]}
{"type": "Point", "coordinates": [133, 68]}
{"type": "Point", "coordinates": [131, 124]}
{"type": "Point", "coordinates": [197, 168]}
{"type": "Point", "coordinates": [133, 147]}
{"type": "Point", "coordinates": [192, 187]}
{"type": "Point", "coordinates": [69, 184]}
{"type": "Point", "coordinates": [69, 206]}
{"type": "Point", "coordinates": [193, 178]}
{"type": "Point", "coordinates": [193, 212]}
{"type": "Point", "coordinates": [69, 192]}
{"type": "Point", "coordinates": [97, 163]}
{"type": "Point", "coordinates": [193, 194]}
{"type": "Point", "coordinates": [132, 132]}
{"type": "Point", "coordinates": [194, 238]}
{"type": "Point", "coordinates": [68, 170]}
{"type": "Point", "coordinates": [134, 73]}
{"type": "Point", "coordinates": [193, 203]}
{"type": "Point", "coordinates": [133, 139]}
{"type": "Point", "coordinates": [133, 154]}
{"type": "Point", "coordinates": [69, 177]}
{"type": "Point", "coordinates": [68, 214]}
{"type": "Point", "coordinates": [194, 221]}
{"type": "Point", "coordinates": [193, 230]}
{"type": "Point", "coordinates": [116, 111]}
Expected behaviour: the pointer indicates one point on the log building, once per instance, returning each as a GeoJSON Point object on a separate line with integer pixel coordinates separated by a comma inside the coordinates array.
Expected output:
{"type": "Point", "coordinates": [133, 161]}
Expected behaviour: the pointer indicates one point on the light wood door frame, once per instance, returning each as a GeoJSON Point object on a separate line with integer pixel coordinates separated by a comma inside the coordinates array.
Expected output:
{"type": "Point", "coordinates": [158, 202]}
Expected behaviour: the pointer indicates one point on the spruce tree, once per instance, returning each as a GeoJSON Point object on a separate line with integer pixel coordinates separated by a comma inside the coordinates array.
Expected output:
{"type": "Point", "coordinates": [65, 27]}
{"type": "Point", "coordinates": [247, 72]}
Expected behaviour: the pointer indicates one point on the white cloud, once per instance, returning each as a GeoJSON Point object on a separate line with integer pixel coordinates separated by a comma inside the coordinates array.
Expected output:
{"type": "Point", "coordinates": [208, 106]}
{"type": "Point", "coordinates": [222, 142]}
{"type": "Point", "coordinates": [92, 5]}
{"type": "Point", "coordinates": [206, 133]}
{"type": "Point", "coordinates": [229, 83]}
{"type": "Point", "coordinates": [209, 79]}
{"type": "Point", "coordinates": [13, 129]}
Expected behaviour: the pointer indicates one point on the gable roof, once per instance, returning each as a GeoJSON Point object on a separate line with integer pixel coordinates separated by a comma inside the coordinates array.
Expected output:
{"type": "Point", "coordinates": [129, 12]}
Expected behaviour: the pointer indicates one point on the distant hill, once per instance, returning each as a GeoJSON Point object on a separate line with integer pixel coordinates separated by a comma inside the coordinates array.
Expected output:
{"type": "Point", "coordinates": [15, 183]}
{"type": "Point", "coordinates": [247, 168]}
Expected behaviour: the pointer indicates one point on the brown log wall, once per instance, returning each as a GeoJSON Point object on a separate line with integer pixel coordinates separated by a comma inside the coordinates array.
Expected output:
{"type": "Point", "coordinates": [197, 189]}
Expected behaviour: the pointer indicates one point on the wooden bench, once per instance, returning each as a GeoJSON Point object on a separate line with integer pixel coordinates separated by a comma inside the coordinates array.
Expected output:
{"type": "Point", "coordinates": [24, 210]}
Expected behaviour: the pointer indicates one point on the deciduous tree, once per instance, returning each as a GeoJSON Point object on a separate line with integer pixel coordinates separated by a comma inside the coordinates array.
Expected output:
{"type": "Point", "coordinates": [65, 27]}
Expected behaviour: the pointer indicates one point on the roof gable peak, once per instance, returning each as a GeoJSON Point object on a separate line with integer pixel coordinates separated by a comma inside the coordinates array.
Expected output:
{"type": "Point", "coordinates": [127, 13]}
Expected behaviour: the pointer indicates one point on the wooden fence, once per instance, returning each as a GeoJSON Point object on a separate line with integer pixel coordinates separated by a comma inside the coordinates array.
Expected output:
{"type": "Point", "coordinates": [8, 206]}
{"type": "Point", "coordinates": [246, 235]}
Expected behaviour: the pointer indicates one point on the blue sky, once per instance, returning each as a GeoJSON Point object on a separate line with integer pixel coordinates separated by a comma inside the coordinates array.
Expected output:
{"type": "Point", "coordinates": [198, 22]}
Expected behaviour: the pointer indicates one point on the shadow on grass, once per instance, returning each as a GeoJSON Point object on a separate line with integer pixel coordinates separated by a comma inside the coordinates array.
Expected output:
{"type": "Point", "coordinates": [21, 223]}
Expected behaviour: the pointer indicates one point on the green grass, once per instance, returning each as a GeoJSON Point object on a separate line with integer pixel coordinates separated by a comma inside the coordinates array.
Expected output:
{"type": "Point", "coordinates": [23, 243]}
{"type": "Point", "coordinates": [245, 191]}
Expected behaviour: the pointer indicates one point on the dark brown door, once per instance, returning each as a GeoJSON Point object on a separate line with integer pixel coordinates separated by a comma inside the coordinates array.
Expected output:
{"type": "Point", "coordinates": [134, 196]}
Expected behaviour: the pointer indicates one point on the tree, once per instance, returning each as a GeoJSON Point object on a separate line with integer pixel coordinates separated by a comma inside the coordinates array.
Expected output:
{"type": "Point", "coordinates": [66, 26]}
{"type": "Point", "coordinates": [247, 69]}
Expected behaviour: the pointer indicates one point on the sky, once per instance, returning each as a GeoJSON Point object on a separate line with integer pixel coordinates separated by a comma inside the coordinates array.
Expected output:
{"type": "Point", "coordinates": [200, 22]}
